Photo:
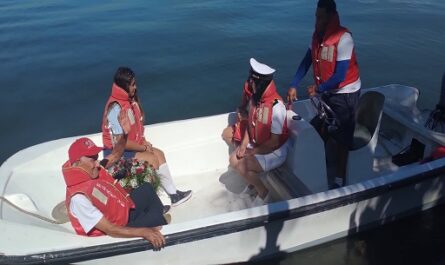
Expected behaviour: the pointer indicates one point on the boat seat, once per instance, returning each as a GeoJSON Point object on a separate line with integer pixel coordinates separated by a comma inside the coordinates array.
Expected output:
{"type": "Point", "coordinates": [304, 171]}
{"type": "Point", "coordinates": [367, 124]}
{"type": "Point", "coordinates": [285, 185]}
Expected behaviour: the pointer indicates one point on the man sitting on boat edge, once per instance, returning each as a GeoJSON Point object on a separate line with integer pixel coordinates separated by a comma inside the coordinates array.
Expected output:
{"type": "Point", "coordinates": [98, 205]}
{"type": "Point", "coordinates": [264, 147]}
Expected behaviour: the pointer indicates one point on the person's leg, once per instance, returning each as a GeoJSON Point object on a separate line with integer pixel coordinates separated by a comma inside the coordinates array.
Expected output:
{"type": "Point", "coordinates": [227, 135]}
{"type": "Point", "coordinates": [252, 169]}
{"type": "Point", "coordinates": [344, 105]}
{"type": "Point", "coordinates": [176, 196]}
{"type": "Point", "coordinates": [236, 163]}
{"type": "Point", "coordinates": [148, 156]}
{"type": "Point", "coordinates": [160, 155]}
{"type": "Point", "coordinates": [149, 209]}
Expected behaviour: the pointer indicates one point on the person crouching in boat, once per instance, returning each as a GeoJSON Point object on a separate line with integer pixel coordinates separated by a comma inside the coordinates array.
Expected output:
{"type": "Point", "coordinates": [98, 205]}
{"type": "Point", "coordinates": [123, 110]}
{"type": "Point", "coordinates": [264, 147]}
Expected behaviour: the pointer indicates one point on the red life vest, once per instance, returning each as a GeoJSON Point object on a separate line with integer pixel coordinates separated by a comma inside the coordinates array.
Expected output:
{"type": "Point", "coordinates": [240, 127]}
{"type": "Point", "coordinates": [129, 108]}
{"type": "Point", "coordinates": [324, 55]}
{"type": "Point", "coordinates": [260, 117]}
{"type": "Point", "coordinates": [111, 199]}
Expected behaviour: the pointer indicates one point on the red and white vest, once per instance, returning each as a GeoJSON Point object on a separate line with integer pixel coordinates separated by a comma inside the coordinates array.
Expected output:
{"type": "Point", "coordinates": [129, 108]}
{"type": "Point", "coordinates": [111, 199]}
{"type": "Point", "coordinates": [324, 55]}
{"type": "Point", "coordinates": [260, 117]}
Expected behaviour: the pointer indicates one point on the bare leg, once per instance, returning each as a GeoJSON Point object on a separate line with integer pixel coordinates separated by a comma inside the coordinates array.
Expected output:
{"type": "Point", "coordinates": [249, 168]}
{"type": "Point", "coordinates": [227, 135]}
{"type": "Point", "coordinates": [159, 155]}
{"type": "Point", "coordinates": [156, 158]}
{"type": "Point", "coordinates": [150, 157]}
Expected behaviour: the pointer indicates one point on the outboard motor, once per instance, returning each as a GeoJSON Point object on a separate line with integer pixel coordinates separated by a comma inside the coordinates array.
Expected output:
{"type": "Point", "coordinates": [436, 120]}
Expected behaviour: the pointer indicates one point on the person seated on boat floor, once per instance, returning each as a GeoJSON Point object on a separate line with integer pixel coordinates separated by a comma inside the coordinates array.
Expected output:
{"type": "Point", "coordinates": [98, 205]}
{"type": "Point", "coordinates": [336, 77]}
{"type": "Point", "coordinates": [124, 116]}
{"type": "Point", "coordinates": [264, 146]}
{"type": "Point", "coordinates": [234, 133]}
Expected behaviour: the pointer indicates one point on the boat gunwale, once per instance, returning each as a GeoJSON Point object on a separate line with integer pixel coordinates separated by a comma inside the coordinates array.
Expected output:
{"type": "Point", "coordinates": [434, 170]}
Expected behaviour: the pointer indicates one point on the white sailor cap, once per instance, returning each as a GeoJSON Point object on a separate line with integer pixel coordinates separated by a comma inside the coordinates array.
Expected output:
{"type": "Point", "coordinates": [260, 68]}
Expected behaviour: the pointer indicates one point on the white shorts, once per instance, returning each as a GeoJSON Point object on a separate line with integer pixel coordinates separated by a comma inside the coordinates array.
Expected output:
{"type": "Point", "coordinates": [273, 160]}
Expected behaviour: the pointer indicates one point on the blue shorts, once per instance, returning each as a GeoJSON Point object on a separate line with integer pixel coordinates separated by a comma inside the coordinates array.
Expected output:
{"type": "Point", "coordinates": [127, 154]}
{"type": "Point", "coordinates": [344, 106]}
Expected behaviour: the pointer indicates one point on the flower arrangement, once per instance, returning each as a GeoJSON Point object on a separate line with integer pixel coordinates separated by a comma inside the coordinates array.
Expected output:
{"type": "Point", "coordinates": [132, 173]}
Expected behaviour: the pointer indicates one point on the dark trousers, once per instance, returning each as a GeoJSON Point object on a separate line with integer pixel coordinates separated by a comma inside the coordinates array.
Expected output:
{"type": "Point", "coordinates": [149, 208]}
{"type": "Point", "coordinates": [344, 106]}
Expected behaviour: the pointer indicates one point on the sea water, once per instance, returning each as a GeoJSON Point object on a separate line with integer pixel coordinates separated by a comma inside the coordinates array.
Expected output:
{"type": "Point", "coordinates": [191, 59]}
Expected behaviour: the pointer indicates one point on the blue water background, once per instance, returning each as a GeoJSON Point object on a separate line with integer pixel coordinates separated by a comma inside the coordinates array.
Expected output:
{"type": "Point", "coordinates": [190, 57]}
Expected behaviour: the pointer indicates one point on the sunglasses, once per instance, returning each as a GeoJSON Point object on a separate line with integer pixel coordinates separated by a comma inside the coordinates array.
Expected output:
{"type": "Point", "coordinates": [94, 157]}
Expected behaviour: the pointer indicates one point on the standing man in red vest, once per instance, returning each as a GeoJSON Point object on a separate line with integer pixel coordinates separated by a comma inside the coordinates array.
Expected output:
{"type": "Point", "coordinates": [336, 76]}
{"type": "Point", "coordinates": [264, 147]}
{"type": "Point", "coordinates": [98, 205]}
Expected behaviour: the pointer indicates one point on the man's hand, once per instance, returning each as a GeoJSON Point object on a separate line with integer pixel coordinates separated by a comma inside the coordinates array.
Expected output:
{"type": "Point", "coordinates": [311, 90]}
{"type": "Point", "coordinates": [155, 237]}
{"type": "Point", "coordinates": [240, 151]}
{"type": "Point", "coordinates": [250, 152]}
{"type": "Point", "coordinates": [152, 234]}
{"type": "Point", "coordinates": [291, 94]}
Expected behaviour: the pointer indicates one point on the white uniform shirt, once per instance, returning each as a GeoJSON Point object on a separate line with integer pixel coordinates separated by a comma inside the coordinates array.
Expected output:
{"type": "Point", "coordinates": [278, 117]}
{"type": "Point", "coordinates": [85, 212]}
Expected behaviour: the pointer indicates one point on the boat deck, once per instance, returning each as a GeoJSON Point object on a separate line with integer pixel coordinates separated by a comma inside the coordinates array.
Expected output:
{"type": "Point", "coordinates": [214, 192]}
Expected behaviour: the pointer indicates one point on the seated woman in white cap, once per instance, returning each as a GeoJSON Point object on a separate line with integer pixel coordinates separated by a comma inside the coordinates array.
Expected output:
{"type": "Point", "coordinates": [264, 147]}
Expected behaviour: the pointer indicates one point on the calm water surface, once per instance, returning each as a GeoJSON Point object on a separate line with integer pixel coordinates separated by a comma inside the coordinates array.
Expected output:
{"type": "Point", "coordinates": [191, 58]}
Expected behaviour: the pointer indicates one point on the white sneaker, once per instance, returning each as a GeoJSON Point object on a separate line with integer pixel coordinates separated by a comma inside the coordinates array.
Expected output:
{"type": "Point", "coordinates": [259, 201]}
{"type": "Point", "coordinates": [249, 192]}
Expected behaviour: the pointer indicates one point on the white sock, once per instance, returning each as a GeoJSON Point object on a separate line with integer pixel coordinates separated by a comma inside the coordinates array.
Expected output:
{"type": "Point", "coordinates": [166, 179]}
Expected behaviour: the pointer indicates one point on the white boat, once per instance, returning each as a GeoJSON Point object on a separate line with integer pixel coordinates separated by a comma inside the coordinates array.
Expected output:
{"type": "Point", "coordinates": [217, 225]}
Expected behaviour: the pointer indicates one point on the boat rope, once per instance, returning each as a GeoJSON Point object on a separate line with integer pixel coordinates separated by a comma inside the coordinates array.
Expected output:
{"type": "Point", "coordinates": [43, 218]}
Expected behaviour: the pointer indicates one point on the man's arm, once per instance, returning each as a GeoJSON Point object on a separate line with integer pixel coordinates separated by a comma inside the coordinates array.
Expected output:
{"type": "Point", "coordinates": [267, 147]}
{"type": "Point", "coordinates": [241, 150]}
{"type": "Point", "coordinates": [117, 152]}
{"type": "Point", "coordinates": [305, 64]}
{"type": "Point", "coordinates": [152, 234]}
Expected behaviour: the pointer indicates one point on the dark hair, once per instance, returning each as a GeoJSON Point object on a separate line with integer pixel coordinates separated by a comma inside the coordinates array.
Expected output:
{"type": "Point", "coordinates": [329, 5]}
{"type": "Point", "coordinates": [123, 77]}
{"type": "Point", "coordinates": [260, 87]}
